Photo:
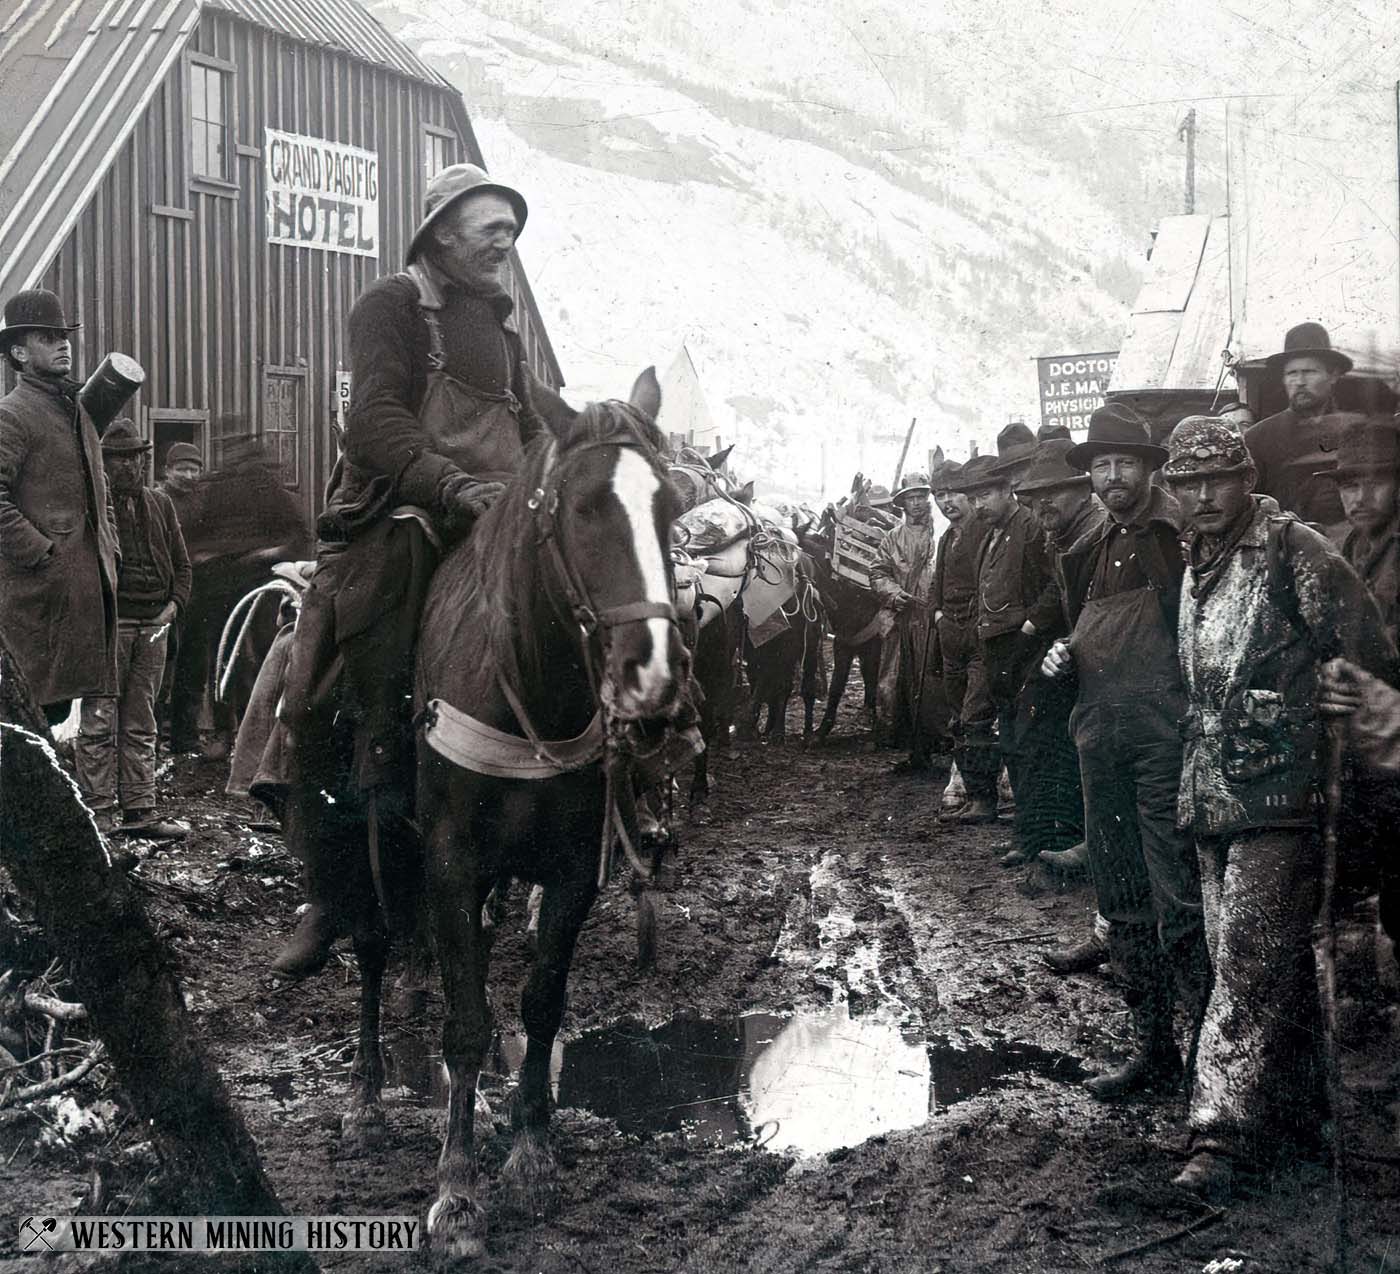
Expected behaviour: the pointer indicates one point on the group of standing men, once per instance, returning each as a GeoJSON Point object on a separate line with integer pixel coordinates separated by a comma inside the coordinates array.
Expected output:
{"type": "Point", "coordinates": [1151, 638]}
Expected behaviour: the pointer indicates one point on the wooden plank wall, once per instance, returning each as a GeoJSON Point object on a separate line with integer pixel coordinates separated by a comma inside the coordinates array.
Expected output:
{"type": "Point", "coordinates": [179, 274]}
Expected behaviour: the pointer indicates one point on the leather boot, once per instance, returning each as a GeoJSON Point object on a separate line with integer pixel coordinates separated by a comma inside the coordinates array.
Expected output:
{"type": "Point", "coordinates": [309, 947]}
{"type": "Point", "coordinates": [980, 809]}
{"type": "Point", "coordinates": [1154, 1068]}
{"type": "Point", "coordinates": [1075, 858]}
{"type": "Point", "coordinates": [1080, 958]}
{"type": "Point", "coordinates": [1017, 855]}
{"type": "Point", "coordinates": [1208, 1176]}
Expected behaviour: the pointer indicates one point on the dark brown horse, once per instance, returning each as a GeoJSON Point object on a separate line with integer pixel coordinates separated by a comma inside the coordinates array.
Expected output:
{"type": "Point", "coordinates": [556, 608]}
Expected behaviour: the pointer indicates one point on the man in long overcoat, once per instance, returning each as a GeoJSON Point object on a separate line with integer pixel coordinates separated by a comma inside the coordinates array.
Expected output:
{"type": "Point", "coordinates": [443, 406]}
{"type": "Point", "coordinates": [58, 539]}
{"type": "Point", "coordinates": [1266, 601]}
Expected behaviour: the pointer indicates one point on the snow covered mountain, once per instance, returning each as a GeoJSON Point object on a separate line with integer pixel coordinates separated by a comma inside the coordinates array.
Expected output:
{"type": "Point", "coordinates": [849, 219]}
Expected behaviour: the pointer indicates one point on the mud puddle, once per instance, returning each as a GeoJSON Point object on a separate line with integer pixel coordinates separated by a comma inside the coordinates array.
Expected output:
{"type": "Point", "coordinates": [807, 1083]}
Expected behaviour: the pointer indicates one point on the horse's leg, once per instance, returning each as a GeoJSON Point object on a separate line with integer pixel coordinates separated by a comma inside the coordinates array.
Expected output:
{"type": "Point", "coordinates": [842, 656]}
{"type": "Point", "coordinates": [456, 1221]}
{"type": "Point", "coordinates": [870, 675]}
{"type": "Point", "coordinates": [362, 1126]}
{"type": "Point", "coordinates": [529, 1173]}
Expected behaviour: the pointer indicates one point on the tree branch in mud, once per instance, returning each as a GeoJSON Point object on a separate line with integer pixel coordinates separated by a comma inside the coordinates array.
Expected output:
{"type": "Point", "coordinates": [47, 1088]}
{"type": "Point", "coordinates": [51, 847]}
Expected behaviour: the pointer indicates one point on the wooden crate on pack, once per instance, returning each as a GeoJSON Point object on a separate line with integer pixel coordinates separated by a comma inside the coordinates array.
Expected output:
{"type": "Point", "coordinates": [855, 549]}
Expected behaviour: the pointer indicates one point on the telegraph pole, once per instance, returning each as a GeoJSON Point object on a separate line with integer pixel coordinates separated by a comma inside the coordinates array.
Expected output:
{"type": "Point", "coordinates": [1187, 133]}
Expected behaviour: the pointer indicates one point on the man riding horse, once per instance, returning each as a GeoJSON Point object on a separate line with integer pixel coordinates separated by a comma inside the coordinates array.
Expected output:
{"type": "Point", "coordinates": [443, 407]}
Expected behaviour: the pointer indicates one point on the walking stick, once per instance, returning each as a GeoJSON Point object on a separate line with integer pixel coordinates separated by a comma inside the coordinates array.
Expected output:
{"type": "Point", "coordinates": [904, 454]}
{"type": "Point", "coordinates": [1325, 948]}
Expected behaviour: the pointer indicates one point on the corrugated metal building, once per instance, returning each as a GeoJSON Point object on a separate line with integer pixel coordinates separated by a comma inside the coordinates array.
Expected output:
{"type": "Point", "coordinates": [208, 185]}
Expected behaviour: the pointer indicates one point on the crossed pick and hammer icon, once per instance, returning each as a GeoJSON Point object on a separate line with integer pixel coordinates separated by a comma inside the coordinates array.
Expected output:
{"type": "Point", "coordinates": [38, 1232]}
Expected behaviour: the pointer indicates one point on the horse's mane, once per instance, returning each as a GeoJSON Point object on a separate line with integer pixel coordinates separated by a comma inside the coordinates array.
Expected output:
{"type": "Point", "coordinates": [503, 572]}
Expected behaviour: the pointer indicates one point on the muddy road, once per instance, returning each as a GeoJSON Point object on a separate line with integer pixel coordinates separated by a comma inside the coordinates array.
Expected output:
{"type": "Point", "coordinates": [850, 1057]}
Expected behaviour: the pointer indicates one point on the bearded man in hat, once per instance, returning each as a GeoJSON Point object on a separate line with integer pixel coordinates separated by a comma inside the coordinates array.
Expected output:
{"type": "Point", "coordinates": [1287, 448]}
{"type": "Point", "coordinates": [1122, 584]}
{"type": "Point", "coordinates": [972, 716]}
{"type": "Point", "coordinates": [58, 539]}
{"type": "Point", "coordinates": [1018, 616]}
{"type": "Point", "coordinates": [1265, 602]}
{"type": "Point", "coordinates": [443, 406]}
{"type": "Point", "coordinates": [1367, 477]}
{"type": "Point", "coordinates": [900, 577]}
{"type": "Point", "coordinates": [116, 749]}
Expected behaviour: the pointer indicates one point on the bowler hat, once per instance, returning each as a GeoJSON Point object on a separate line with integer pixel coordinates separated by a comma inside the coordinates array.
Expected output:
{"type": "Point", "coordinates": [977, 473]}
{"type": "Point", "coordinates": [122, 438]}
{"type": "Point", "coordinates": [912, 482]}
{"type": "Point", "coordinates": [1048, 468]}
{"type": "Point", "coordinates": [183, 451]}
{"type": "Point", "coordinates": [1203, 445]}
{"type": "Point", "coordinates": [454, 183]}
{"type": "Point", "coordinates": [1369, 446]}
{"type": "Point", "coordinates": [37, 308]}
{"type": "Point", "coordinates": [1308, 340]}
{"type": "Point", "coordinates": [1115, 427]}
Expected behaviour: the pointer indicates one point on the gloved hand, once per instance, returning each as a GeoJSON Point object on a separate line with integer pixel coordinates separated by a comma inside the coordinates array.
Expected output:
{"type": "Point", "coordinates": [462, 499]}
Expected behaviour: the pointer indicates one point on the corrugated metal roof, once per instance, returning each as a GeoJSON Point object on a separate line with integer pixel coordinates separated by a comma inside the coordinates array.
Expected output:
{"type": "Point", "coordinates": [1180, 323]}
{"type": "Point", "coordinates": [334, 24]}
{"type": "Point", "coordinates": [75, 76]}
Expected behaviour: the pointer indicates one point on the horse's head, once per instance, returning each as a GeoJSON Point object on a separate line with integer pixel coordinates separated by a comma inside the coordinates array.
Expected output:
{"type": "Point", "coordinates": [611, 507]}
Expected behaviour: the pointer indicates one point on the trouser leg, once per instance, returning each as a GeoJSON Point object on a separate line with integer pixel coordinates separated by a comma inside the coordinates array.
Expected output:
{"type": "Point", "coordinates": [965, 684]}
{"type": "Point", "coordinates": [1258, 1080]}
{"type": "Point", "coordinates": [95, 751]}
{"type": "Point", "coordinates": [136, 719]}
{"type": "Point", "coordinates": [1050, 783]}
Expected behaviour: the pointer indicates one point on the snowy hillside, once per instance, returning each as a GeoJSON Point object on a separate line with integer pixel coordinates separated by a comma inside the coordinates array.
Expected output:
{"type": "Point", "coordinates": [842, 234]}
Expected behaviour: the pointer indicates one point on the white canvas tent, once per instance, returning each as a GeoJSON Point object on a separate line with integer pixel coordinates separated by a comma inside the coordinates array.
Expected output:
{"type": "Point", "coordinates": [1312, 232]}
{"type": "Point", "coordinates": [684, 412]}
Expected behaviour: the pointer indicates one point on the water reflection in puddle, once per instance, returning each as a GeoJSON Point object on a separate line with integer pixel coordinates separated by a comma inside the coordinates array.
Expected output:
{"type": "Point", "coordinates": [809, 1083]}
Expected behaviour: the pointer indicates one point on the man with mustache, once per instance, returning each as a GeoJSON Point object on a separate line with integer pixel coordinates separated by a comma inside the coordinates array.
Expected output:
{"type": "Point", "coordinates": [1367, 477]}
{"type": "Point", "coordinates": [1265, 603]}
{"type": "Point", "coordinates": [58, 538]}
{"type": "Point", "coordinates": [1018, 616]}
{"type": "Point", "coordinates": [1287, 447]}
{"type": "Point", "coordinates": [954, 605]}
{"type": "Point", "coordinates": [1122, 584]}
{"type": "Point", "coordinates": [443, 406]}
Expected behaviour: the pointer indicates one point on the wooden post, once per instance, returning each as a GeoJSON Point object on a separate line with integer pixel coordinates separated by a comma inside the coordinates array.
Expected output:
{"type": "Point", "coordinates": [908, 438]}
{"type": "Point", "coordinates": [95, 921]}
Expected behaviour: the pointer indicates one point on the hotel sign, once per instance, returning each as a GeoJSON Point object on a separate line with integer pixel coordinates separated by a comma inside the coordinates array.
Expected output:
{"type": "Point", "coordinates": [322, 195]}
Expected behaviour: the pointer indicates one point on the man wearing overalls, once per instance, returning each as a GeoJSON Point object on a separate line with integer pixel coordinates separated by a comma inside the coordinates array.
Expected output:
{"type": "Point", "coordinates": [443, 407]}
{"type": "Point", "coordinates": [1122, 592]}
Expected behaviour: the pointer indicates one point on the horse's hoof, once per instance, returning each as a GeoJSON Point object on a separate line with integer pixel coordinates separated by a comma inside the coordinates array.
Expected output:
{"type": "Point", "coordinates": [457, 1227]}
{"type": "Point", "coordinates": [530, 1177]}
{"type": "Point", "coordinates": [362, 1129]}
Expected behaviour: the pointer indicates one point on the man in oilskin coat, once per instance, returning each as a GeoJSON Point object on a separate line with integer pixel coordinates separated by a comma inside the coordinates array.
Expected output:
{"type": "Point", "coordinates": [442, 410]}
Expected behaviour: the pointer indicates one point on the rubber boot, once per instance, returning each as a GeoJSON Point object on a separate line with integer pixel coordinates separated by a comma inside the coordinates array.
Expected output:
{"type": "Point", "coordinates": [1155, 1065]}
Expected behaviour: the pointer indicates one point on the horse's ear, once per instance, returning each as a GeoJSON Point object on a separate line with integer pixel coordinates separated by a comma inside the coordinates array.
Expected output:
{"type": "Point", "coordinates": [720, 458]}
{"type": "Point", "coordinates": [937, 456]}
{"type": "Point", "coordinates": [745, 493]}
{"type": "Point", "coordinates": [646, 394]}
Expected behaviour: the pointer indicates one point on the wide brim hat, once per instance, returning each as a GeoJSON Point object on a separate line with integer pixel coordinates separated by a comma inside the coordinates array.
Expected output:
{"type": "Point", "coordinates": [1367, 447]}
{"type": "Point", "coordinates": [977, 473]}
{"type": "Point", "coordinates": [879, 497]}
{"type": "Point", "coordinates": [122, 438]}
{"type": "Point", "coordinates": [912, 482]}
{"type": "Point", "coordinates": [1308, 340]}
{"type": "Point", "coordinates": [37, 309]}
{"type": "Point", "coordinates": [1205, 446]}
{"type": "Point", "coordinates": [1049, 469]}
{"type": "Point", "coordinates": [453, 184]}
{"type": "Point", "coordinates": [1118, 428]}
{"type": "Point", "coordinates": [943, 476]}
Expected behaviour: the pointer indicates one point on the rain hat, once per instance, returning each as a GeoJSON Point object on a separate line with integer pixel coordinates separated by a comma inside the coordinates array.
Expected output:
{"type": "Point", "coordinates": [454, 183]}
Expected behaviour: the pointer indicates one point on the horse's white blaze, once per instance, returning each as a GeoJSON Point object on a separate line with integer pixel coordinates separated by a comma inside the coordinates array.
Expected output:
{"type": "Point", "coordinates": [635, 484]}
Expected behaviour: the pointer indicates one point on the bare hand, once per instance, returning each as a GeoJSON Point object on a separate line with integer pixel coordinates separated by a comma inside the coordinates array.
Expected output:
{"type": "Point", "coordinates": [167, 614]}
{"type": "Point", "coordinates": [1342, 688]}
{"type": "Point", "coordinates": [1057, 662]}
